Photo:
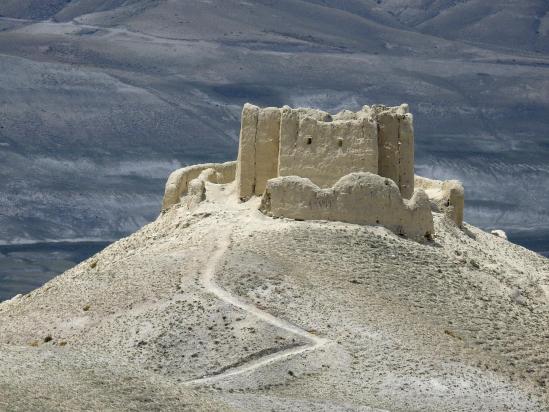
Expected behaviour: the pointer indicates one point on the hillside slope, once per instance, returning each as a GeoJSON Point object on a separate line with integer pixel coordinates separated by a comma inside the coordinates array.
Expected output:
{"type": "Point", "coordinates": [223, 308]}
{"type": "Point", "coordinates": [100, 99]}
{"type": "Point", "coordinates": [510, 24]}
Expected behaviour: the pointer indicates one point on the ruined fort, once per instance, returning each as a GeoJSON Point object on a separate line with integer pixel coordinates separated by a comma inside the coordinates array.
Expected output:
{"type": "Point", "coordinates": [307, 164]}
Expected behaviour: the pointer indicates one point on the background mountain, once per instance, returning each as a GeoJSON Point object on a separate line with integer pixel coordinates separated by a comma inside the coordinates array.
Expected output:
{"type": "Point", "coordinates": [101, 99]}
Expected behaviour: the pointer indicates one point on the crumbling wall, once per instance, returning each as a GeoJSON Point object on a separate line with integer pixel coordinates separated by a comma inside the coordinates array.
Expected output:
{"type": "Point", "coordinates": [303, 142]}
{"type": "Point", "coordinates": [323, 149]}
{"type": "Point", "coordinates": [196, 191]}
{"type": "Point", "coordinates": [361, 198]}
{"type": "Point", "coordinates": [395, 139]}
{"type": "Point", "coordinates": [312, 143]}
{"type": "Point", "coordinates": [355, 167]}
{"type": "Point", "coordinates": [178, 182]}
{"type": "Point", "coordinates": [446, 197]}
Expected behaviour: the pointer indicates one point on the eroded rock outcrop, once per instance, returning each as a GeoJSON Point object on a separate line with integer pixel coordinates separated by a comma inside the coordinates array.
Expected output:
{"type": "Point", "coordinates": [499, 233]}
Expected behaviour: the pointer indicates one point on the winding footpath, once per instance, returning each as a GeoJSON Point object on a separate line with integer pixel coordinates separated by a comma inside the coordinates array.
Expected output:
{"type": "Point", "coordinates": [207, 279]}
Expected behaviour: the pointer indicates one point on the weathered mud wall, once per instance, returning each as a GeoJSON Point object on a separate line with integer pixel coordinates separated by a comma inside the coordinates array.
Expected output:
{"type": "Point", "coordinates": [324, 151]}
{"type": "Point", "coordinates": [446, 197]}
{"type": "Point", "coordinates": [258, 149]}
{"type": "Point", "coordinates": [396, 145]}
{"type": "Point", "coordinates": [314, 144]}
{"type": "Point", "coordinates": [362, 198]}
{"type": "Point", "coordinates": [178, 182]}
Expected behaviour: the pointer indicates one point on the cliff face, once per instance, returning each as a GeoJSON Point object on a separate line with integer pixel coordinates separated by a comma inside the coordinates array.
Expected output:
{"type": "Point", "coordinates": [223, 308]}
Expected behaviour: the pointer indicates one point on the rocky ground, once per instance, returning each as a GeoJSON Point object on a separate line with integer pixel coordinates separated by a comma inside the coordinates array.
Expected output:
{"type": "Point", "coordinates": [222, 308]}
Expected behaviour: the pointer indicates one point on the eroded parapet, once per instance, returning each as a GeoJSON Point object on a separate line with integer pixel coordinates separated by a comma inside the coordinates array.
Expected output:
{"type": "Point", "coordinates": [179, 181]}
{"type": "Point", "coordinates": [361, 198]}
{"type": "Point", "coordinates": [446, 197]}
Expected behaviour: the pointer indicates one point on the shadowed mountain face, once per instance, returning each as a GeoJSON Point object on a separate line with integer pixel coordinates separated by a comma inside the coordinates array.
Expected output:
{"type": "Point", "coordinates": [101, 99]}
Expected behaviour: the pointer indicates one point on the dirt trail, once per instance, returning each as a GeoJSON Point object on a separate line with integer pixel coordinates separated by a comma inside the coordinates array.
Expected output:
{"type": "Point", "coordinates": [207, 279]}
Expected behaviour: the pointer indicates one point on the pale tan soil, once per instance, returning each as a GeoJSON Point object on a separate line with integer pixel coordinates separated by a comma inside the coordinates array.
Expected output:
{"type": "Point", "coordinates": [222, 308]}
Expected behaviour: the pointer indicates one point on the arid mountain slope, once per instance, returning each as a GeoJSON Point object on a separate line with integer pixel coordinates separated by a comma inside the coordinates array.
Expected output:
{"type": "Point", "coordinates": [224, 308]}
{"type": "Point", "coordinates": [101, 99]}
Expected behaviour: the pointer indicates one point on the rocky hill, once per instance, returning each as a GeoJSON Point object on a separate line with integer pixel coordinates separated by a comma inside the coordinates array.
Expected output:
{"type": "Point", "coordinates": [220, 307]}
